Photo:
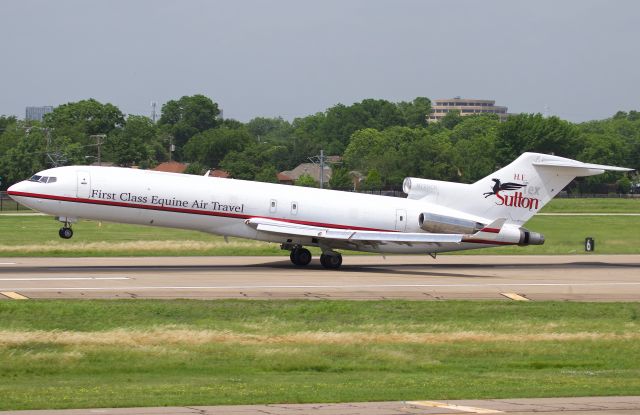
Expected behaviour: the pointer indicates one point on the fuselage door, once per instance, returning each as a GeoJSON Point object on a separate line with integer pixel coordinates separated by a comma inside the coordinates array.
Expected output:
{"type": "Point", "coordinates": [84, 184]}
{"type": "Point", "coordinates": [401, 220]}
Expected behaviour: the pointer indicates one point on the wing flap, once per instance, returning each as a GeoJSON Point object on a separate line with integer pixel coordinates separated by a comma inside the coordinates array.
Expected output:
{"type": "Point", "coordinates": [288, 228]}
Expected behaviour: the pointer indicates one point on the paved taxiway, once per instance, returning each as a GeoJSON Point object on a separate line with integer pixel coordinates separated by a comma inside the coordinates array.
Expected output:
{"type": "Point", "coordinates": [550, 406]}
{"type": "Point", "coordinates": [576, 277]}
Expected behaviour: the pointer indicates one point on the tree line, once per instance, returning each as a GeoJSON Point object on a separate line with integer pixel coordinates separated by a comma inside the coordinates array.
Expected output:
{"type": "Point", "coordinates": [383, 141]}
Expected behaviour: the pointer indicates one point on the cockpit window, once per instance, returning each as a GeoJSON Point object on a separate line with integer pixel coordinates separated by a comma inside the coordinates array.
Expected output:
{"type": "Point", "coordinates": [42, 179]}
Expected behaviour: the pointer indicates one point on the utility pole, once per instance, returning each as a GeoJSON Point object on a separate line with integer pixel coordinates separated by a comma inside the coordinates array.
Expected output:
{"type": "Point", "coordinates": [99, 138]}
{"type": "Point", "coordinates": [153, 111]}
{"type": "Point", "coordinates": [319, 159]}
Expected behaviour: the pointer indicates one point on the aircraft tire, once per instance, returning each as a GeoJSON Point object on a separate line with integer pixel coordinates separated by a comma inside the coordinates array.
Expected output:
{"type": "Point", "coordinates": [65, 233]}
{"type": "Point", "coordinates": [331, 261]}
{"type": "Point", "coordinates": [300, 257]}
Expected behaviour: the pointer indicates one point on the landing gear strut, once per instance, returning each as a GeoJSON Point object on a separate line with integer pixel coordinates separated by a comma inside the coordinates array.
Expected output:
{"type": "Point", "coordinates": [331, 260]}
{"type": "Point", "coordinates": [300, 256]}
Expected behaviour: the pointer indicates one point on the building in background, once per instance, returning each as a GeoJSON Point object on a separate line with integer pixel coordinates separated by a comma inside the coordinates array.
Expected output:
{"type": "Point", "coordinates": [441, 107]}
{"type": "Point", "coordinates": [37, 113]}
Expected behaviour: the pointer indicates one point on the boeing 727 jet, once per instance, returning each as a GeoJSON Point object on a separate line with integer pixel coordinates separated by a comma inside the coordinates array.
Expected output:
{"type": "Point", "coordinates": [435, 217]}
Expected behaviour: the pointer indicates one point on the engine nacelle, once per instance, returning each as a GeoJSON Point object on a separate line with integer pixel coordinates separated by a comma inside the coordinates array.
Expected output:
{"type": "Point", "coordinates": [530, 238]}
{"type": "Point", "coordinates": [416, 188]}
{"type": "Point", "coordinates": [433, 223]}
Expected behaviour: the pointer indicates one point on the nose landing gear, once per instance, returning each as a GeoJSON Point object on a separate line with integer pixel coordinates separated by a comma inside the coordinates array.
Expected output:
{"type": "Point", "coordinates": [65, 232]}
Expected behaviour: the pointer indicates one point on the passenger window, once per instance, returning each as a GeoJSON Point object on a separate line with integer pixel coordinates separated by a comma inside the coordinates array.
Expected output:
{"type": "Point", "coordinates": [294, 208]}
{"type": "Point", "coordinates": [273, 206]}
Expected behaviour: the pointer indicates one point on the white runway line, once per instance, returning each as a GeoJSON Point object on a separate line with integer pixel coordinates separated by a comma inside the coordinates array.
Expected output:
{"type": "Point", "coordinates": [7, 263]}
{"type": "Point", "coordinates": [249, 287]}
{"type": "Point", "coordinates": [468, 409]}
{"type": "Point", "coordinates": [67, 279]}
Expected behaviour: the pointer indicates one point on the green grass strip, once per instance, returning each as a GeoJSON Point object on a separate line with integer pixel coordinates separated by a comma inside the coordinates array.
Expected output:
{"type": "Point", "coordinates": [69, 354]}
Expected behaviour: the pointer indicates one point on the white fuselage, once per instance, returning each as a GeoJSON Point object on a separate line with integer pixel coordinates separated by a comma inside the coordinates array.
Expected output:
{"type": "Point", "coordinates": [221, 206]}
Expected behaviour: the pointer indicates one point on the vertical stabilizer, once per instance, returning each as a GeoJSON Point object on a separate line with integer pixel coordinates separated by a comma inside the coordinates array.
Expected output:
{"type": "Point", "coordinates": [517, 191]}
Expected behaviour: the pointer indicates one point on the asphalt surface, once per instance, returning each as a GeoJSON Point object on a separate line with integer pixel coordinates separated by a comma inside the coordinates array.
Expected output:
{"type": "Point", "coordinates": [626, 405]}
{"type": "Point", "coordinates": [510, 278]}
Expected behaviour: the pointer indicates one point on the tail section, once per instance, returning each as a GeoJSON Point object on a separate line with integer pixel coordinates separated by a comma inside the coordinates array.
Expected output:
{"type": "Point", "coordinates": [520, 189]}
{"type": "Point", "coordinates": [515, 192]}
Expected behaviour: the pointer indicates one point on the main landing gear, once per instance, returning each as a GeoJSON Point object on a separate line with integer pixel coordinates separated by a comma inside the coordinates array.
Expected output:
{"type": "Point", "coordinates": [301, 257]}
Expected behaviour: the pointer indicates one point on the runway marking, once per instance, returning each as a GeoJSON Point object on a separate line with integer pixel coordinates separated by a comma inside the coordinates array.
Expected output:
{"type": "Point", "coordinates": [14, 295]}
{"type": "Point", "coordinates": [67, 279]}
{"type": "Point", "coordinates": [461, 408]}
{"type": "Point", "coordinates": [515, 297]}
{"type": "Point", "coordinates": [244, 287]}
{"type": "Point", "coordinates": [7, 263]}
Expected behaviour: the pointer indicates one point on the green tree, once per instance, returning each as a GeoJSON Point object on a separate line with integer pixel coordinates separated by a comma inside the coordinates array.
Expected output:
{"type": "Point", "coordinates": [373, 181]}
{"type": "Point", "coordinates": [474, 146]}
{"type": "Point", "coordinates": [210, 147]}
{"type": "Point", "coordinates": [415, 113]}
{"type": "Point", "coordinates": [274, 130]}
{"type": "Point", "coordinates": [451, 119]}
{"type": "Point", "coordinates": [533, 132]}
{"type": "Point", "coordinates": [307, 181]}
{"type": "Point", "coordinates": [340, 179]}
{"type": "Point", "coordinates": [24, 159]}
{"type": "Point", "coordinates": [267, 174]}
{"type": "Point", "coordinates": [86, 117]}
{"type": "Point", "coordinates": [6, 121]}
{"type": "Point", "coordinates": [196, 168]}
{"type": "Point", "coordinates": [189, 116]}
{"type": "Point", "coordinates": [134, 144]}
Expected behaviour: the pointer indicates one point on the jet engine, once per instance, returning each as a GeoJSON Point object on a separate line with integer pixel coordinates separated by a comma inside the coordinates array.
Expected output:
{"type": "Point", "coordinates": [530, 238]}
{"type": "Point", "coordinates": [433, 223]}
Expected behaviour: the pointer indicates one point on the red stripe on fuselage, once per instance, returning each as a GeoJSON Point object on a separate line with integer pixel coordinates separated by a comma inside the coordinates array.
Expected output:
{"type": "Point", "coordinates": [187, 211]}
{"type": "Point", "coordinates": [490, 230]}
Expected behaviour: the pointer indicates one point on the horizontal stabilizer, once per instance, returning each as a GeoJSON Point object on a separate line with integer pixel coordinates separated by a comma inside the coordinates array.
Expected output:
{"type": "Point", "coordinates": [574, 164]}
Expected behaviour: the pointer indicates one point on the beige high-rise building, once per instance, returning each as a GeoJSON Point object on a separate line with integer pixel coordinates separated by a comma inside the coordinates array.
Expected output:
{"type": "Point", "coordinates": [440, 108]}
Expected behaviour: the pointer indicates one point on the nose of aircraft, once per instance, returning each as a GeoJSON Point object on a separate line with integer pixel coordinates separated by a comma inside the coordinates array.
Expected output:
{"type": "Point", "coordinates": [16, 188]}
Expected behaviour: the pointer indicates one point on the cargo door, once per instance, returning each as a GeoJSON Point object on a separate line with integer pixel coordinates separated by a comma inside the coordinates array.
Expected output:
{"type": "Point", "coordinates": [401, 220]}
{"type": "Point", "coordinates": [84, 184]}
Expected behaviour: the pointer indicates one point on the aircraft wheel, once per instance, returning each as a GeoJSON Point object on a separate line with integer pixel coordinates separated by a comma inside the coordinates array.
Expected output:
{"type": "Point", "coordinates": [333, 261]}
{"type": "Point", "coordinates": [65, 233]}
{"type": "Point", "coordinates": [300, 257]}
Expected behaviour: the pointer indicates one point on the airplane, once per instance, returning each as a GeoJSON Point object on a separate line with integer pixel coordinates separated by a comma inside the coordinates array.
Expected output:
{"type": "Point", "coordinates": [436, 216]}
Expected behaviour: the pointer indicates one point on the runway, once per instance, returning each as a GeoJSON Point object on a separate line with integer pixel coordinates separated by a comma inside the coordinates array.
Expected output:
{"type": "Point", "coordinates": [362, 277]}
{"type": "Point", "coordinates": [549, 406]}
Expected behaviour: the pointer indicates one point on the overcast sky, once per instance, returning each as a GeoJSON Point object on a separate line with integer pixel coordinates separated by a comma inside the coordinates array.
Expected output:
{"type": "Point", "coordinates": [578, 59]}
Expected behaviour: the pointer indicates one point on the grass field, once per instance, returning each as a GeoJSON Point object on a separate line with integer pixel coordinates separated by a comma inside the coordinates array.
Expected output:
{"type": "Point", "coordinates": [38, 236]}
{"type": "Point", "coordinates": [593, 205]}
{"type": "Point", "coordinates": [67, 354]}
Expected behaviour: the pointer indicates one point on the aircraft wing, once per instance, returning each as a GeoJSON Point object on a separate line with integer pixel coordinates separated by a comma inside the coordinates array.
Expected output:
{"type": "Point", "coordinates": [349, 235]}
